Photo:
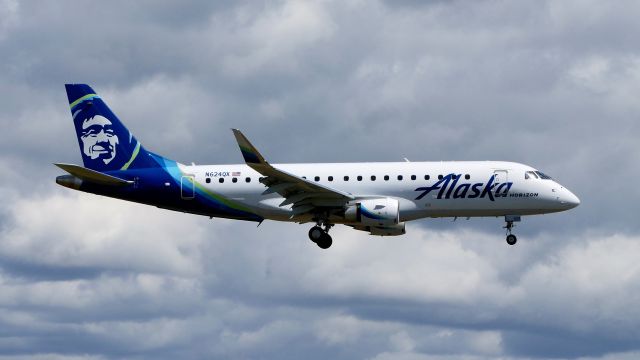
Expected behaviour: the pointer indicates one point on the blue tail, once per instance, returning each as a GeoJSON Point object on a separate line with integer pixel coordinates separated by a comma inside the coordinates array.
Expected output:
{"type": "Point", "coordinates": [105, 143]}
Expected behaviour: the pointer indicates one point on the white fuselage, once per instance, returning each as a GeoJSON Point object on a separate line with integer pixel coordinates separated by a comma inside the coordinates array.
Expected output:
{"type": "Point", "coordinates": [477, 188]}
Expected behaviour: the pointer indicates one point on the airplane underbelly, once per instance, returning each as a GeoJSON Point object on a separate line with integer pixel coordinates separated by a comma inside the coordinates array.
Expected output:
{"type": "Point", "coordinates": [271, 209]}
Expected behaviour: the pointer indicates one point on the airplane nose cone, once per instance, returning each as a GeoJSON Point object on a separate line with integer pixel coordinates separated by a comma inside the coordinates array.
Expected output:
{"type": "Point", "coordinates": [569, 199]}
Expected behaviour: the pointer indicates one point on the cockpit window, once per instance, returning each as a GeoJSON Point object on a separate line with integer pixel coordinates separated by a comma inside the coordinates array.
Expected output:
{"type": "Point", "coordinates": [530, 175]}
{"type": "Point", "coordinates": [543, 176]}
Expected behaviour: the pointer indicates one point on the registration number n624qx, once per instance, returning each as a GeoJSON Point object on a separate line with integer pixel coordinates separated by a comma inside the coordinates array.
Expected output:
{"type": "Point", "coordinates": [217, 173]}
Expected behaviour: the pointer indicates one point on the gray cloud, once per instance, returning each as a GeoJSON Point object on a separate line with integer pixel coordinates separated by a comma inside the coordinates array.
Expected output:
{"type": "Point", "coordinates": [549, 84]}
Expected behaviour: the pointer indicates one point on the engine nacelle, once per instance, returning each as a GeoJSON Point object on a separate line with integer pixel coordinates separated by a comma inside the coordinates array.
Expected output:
{"type": "Point", "coordinates": [392, 230]}
{"type": "Point", "coordinates": [381, 212]}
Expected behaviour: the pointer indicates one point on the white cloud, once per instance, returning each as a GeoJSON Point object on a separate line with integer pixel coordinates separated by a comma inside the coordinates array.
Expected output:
{"type": "Point", "coordinates": [343, 330]}
{"type": "Point", "coordinates": [615, 356]}
{"type": "Point", "coordinates": [402, 341]}
{"type": "Point", "coordinates": [420, 356]}
{"type": "Point", "coordinates": [591, 72]}
{"type": "Point", "coordinates": [587, 287]}
{"type": "Point", "coordinates": [422, 267]}
{"type": "Point", "coordinates": [8, 16]}
{"type": "Point", "coordinates": [163, 113]}
{"type": "Point", "coordinates": [81, 230]}
{"type": "Point", "coordinates": [276, 37]}
{"type": "Point", "coordinates": [487, 342]}
{"type": "Point", "coordinates": [51, 356]}
{"type": "Point", "coordinates": [582, 287]}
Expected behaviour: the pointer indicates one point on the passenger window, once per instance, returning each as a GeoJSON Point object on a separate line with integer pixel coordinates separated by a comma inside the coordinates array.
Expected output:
{"type": "Point", "coordinates": [248, 179]}
{"type": "Point", "coordinates": [346, 178]}
{"type": "Point", "coordinates": [317, 178]}
{"type": "Point", "coordinates": [386, 178]}
{"type": "Point", "coordinates": [454, 176]}
{"type": "Point", "coordinates": [234, 180]}
{"type": "Point", "coordinates": [221, 180]}
{"type": "Point", "coordinates": [373, 178]}
{"type": "Point", "coordinates": [467, 176]}
{"type": "Point", "coordinates": [439, 177]}
{"type": "Point", "coordinates": [427, 177]}
{"type": "Point", "coordinates": [359, 177]}
{"type": "Point", "coordinates": [304, 177]}
{"type": "Point", "coordinates": [330, 178]}
{"type": "Point", "coordinates": [208, 180]}
{"type": "Point", "coordinates": [413, 177]}
{"type": "Point", "coordinates": [399, 177]}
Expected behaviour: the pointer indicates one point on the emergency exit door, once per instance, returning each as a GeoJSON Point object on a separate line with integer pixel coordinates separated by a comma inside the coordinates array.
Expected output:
{"type": "Point", "coordinates": [500, 177]}
{"type": "Point", "coordinates": [187, 187]}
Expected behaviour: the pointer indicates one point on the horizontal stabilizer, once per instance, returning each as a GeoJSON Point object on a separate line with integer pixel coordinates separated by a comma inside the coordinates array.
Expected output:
{"type": "Point", "coordinates": [93, 176]}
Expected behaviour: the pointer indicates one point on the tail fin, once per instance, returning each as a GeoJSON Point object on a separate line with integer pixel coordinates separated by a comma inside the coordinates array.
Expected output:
{"type": "Point", "coordinates": [105, 143]}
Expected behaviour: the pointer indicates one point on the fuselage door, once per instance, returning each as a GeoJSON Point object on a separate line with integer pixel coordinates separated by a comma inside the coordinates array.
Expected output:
{"type": "Point", "coordinates": [501, 177]}
{"type": "Point", "coordinates": [187, 187]}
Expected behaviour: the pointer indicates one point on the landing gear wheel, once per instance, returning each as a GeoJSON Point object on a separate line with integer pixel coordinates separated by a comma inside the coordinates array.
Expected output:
{"type": "Point", "coordinates": [325, 241]}
{"type": "Point", "coordinates": [319, 235]}
{"type": "Point", "coordinates": [315, 233]}
{"type": "Point", "coordinates": [510, 219]}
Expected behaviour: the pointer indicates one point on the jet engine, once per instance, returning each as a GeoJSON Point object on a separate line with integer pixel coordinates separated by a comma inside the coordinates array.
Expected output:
{"type": "Point", "coordinates": [391, 230]}
{"type": "Point", "coordinates": [380, 212]}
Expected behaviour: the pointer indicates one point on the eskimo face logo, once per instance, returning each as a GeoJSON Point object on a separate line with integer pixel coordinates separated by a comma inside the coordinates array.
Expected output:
{"type": "Point", "coordinates": [99, 139]}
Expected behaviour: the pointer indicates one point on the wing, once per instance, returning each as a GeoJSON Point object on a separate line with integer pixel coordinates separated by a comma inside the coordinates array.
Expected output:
{"type": "Point", "coordinates": [305, 196]}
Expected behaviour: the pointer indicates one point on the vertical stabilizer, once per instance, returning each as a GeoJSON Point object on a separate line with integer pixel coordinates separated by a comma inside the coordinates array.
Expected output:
{"type": "Point", "coordinates": [105, 143]}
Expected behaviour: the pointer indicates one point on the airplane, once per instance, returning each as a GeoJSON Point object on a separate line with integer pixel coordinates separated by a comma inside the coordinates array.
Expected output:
{"type": "Point", "coordinates": [376, 197]}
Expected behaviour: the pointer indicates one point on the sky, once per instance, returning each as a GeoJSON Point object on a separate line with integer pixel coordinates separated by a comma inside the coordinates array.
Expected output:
{"type": "Point", "coordinates": [552, 84]}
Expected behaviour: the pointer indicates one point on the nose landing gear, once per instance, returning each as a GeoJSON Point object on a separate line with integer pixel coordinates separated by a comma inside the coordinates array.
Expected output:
{"type": "Point", "coordinates": [321, 236]}
{"type": "Point", "coordinates": [511, 239]}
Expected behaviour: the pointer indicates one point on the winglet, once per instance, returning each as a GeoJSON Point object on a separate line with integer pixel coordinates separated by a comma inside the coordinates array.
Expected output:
{"type": "Point", "coordinates": [249, 152]}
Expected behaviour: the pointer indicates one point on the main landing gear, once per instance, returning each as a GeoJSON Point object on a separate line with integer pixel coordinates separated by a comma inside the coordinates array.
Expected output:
{"type": "Point", "coordinates": [511, 239]}
{"type": "Point", "coordinates": [321, 236]}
